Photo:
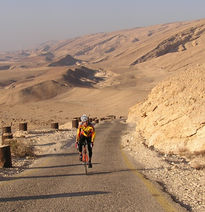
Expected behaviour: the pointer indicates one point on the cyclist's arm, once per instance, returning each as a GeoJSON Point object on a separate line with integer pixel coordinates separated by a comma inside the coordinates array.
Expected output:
{"type": "Point", "coordinates": [93, 135]}
{"type": "Point", "coordinates": [78, 134]}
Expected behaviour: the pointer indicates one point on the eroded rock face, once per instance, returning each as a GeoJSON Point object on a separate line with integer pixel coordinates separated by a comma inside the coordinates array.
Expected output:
{"type": "Point", "coordinates": [172, 119]}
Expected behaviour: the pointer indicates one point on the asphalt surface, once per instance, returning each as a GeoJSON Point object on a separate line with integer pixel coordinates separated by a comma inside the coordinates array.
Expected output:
{"type": "Point", "coordinates": [58, 182]}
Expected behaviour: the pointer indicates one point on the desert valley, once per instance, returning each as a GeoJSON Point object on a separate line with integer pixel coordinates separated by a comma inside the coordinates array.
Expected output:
{"type": "Point", "coordinates": [109, 73]}
{"type": "Point", "coordinates": [153, 76]}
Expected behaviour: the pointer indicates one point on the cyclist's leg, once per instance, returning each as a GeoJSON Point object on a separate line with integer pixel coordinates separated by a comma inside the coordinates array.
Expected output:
{"type": "Point", "coordinates": [89, 148]}
{"type": "Point", "coordinates": [80, 146]}
{"type": "Point", "coordinates": [90, 151]}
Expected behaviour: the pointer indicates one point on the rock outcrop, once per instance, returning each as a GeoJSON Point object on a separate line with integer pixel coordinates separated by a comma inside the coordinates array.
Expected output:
{"type": "Point", "coordinates": [172, 119]}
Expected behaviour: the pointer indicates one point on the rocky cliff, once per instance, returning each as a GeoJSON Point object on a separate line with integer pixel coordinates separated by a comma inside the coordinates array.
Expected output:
{"type": "Point", "coordinates": [172, 119]}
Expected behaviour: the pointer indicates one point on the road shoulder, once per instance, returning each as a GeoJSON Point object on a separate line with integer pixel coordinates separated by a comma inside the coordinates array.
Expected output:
{"type": "Point", "coordinates": [173, 174]}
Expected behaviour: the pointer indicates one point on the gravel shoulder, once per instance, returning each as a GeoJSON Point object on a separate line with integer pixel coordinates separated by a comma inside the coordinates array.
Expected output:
{"type": "Point", "coordinates": [44, 142]}
{"type": "Point", "coordinates": [184, 183]}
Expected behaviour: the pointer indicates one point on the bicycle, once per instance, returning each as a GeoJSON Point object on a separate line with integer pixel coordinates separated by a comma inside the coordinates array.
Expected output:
{"type": "Point", "coordinates": [84, 157]}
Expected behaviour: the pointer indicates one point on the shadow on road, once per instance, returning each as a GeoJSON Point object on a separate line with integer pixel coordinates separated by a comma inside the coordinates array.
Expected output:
{"type": "Point", "coordinates": [56, 154]}
{"type": "Point", "coordinates": [70, 175]}
{"type": "Point", "coordinates": [48, 144]}
{"type": "Point", "coordinates": [61, 166]}
{"type": "Point", "coordinates": [49, 196]}
{"type": "Point", "coordinates": [51, 176]}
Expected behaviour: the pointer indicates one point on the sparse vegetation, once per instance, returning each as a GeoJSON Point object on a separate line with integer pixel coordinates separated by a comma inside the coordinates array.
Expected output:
{"type": "Point", "coordinates": [20, 148]}
{"type": "Point", "coordinates": [198, 162]}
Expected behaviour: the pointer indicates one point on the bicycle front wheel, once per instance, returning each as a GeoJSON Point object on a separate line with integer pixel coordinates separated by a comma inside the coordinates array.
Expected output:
{"type": "Point", "coordinates": [85, 160]}
{"type": "Point", "coordinates": [86, 167]}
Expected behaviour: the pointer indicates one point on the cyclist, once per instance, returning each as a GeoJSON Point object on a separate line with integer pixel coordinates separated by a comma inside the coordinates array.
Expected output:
{"type": "Point", "coordinates": [86, 131]}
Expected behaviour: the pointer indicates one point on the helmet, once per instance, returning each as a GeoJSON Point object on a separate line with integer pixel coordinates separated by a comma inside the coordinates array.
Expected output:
{"type": "Point", "coordinates": [84, 118]}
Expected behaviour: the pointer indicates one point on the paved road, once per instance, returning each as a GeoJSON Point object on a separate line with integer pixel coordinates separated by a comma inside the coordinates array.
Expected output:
{"type": "Point", "coordinates": [57, 182]}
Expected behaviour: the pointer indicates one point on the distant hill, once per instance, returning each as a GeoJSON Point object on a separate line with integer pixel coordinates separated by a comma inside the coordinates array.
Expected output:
{"type": "Point", "coordinates": [65, 61]}
{"type": "Point", "coordinates": [132, 46]}
{"type": "Point", "coordinates": [114, 70]}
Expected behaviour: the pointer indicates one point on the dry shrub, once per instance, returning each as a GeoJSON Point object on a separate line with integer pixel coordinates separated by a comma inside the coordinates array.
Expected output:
{"type": "Point", "coordinates": [198, 162]}
{"type": "Point", "coordinates": [183, 151]}
{"type": "Point", "coordinates": [200, 153]}
{"type": "Point", "coordinates": [197, 159]}
{"type": "Point", "coordinates": [20, 148]}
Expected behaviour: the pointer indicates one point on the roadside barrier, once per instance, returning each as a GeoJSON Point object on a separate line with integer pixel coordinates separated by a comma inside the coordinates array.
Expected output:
{"type": "Point", "coordinates": [75, 123]}
{"type": "Point", "coordinates": [78, 118]}
{"type": "Point", "coordinates": [6, 129]}
{"type": "Point", "coordinates": [23, 126]}
{"type": "Point", "coordinates": [5, 152]}
{"type": "Point", "coordinates": [6, 133]}
{"type": "Point", "coordinates": [111, 117]}
{"type": "Point", "coordinates": [96, 121]}
{"type": "Point", "coordinates": [5, 157]}
{"type": "Point", "coordinates": [55, 125]}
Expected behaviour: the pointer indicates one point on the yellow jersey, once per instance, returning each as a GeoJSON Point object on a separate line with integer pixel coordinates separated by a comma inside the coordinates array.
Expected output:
{"type": "Point", "coordinates": [87, 131]}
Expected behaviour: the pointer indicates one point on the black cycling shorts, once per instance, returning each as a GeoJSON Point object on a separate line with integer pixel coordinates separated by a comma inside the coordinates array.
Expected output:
{"type": "Point", "coordinates": [82, 141]}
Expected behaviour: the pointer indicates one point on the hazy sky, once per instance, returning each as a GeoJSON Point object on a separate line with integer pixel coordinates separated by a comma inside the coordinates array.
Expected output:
{"type": "Point", "coordinates": [27, 23]}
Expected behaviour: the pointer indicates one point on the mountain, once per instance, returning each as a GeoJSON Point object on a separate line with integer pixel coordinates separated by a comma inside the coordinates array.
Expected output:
{"type": "Point", "coordinates": [66, 61]}
{"type": "Point", "coordinates": [101, 74]}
